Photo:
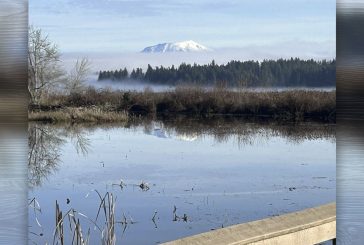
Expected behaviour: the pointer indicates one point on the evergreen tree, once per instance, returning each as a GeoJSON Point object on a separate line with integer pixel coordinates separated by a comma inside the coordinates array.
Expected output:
{"type": "Point", "coordinates": [281, 72]}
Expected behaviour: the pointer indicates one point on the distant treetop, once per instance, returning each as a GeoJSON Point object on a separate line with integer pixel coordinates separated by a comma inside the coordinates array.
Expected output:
{"type": "Point", "coordinates": [277, 73]}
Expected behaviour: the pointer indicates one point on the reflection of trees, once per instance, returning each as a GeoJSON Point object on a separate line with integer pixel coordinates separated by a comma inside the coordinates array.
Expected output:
{"type": "Point", "coordinates": [242, 131]}
{"type": "Point", "coordinates": [77, 133]}
{"type": "Point", "coordinates": [45, 145]}
{"type": "Point", "coordinates": [44, 152]}
{"type": "Point", "coordinates": [45, 141]}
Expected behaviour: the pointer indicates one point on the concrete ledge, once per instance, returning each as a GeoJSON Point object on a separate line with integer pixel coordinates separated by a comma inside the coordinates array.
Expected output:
{"type": "Point", "coordinates": [309, 226]}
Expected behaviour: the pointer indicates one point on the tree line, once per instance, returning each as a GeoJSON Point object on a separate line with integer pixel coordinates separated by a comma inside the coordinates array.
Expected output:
{"type": "Point", "coordinates": [281, 72]}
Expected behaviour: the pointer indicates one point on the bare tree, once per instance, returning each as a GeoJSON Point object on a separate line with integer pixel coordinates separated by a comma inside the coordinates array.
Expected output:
{"type": "Point", "coordinates": [44, 70]}
{"type": "Point", "coordinates": [76, 79]}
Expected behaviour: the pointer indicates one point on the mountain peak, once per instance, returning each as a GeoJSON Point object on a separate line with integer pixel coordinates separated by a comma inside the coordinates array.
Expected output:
{"type": "Point", "coordinates": [184, 46]}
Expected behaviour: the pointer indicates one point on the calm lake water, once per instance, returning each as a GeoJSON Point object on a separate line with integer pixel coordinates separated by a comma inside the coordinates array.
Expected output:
{"type": "Point", "coordinates": [201, 175]}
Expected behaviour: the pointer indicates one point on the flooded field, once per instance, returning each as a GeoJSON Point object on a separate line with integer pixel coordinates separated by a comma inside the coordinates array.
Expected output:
{"type": "Point", "coordinates": [174, 178]}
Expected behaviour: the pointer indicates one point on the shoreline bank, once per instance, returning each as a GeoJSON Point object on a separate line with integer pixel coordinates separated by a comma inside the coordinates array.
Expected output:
{"type": "Point", "coordinates": [111, 106]}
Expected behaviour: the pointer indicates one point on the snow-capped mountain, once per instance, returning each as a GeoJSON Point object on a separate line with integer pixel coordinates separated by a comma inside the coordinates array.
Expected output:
{"type": "Point", "coordinates": [186, 46]}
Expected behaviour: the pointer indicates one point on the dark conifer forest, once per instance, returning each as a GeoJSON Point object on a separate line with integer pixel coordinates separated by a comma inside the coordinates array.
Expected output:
{"type": "Point", "coordinates": [276, 73]}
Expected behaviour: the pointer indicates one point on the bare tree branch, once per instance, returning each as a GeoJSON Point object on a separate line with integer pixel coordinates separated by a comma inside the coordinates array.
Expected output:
{"type": "Point", "coordinates": [78, 75]}
{"type": "Point", "coordinates": [44, 70]}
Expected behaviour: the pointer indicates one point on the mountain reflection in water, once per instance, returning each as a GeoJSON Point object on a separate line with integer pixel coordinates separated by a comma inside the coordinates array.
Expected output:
{"type": "Point", "coordinates": [176, 177]}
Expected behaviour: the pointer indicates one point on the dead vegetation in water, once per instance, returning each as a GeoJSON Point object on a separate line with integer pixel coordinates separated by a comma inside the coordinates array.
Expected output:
{"type": "Point", "coordinates": [75, 228]}
{"type": "Point", "coordinates": [121, 184]}
{"type": "Point", "coordinates": [69, 225]}
{"type": "Point", "coordinates": [75, 234]}
{"type": "Point", "coordinates": [144, 186]}
{"type": "Point", "coordinates": [155, 218]}
{"type": "Point", "coordinates": [183, 218]}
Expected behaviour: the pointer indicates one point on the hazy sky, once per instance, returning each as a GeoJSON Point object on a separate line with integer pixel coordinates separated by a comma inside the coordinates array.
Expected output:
{"type": "Point", "coordinates": [131, 25]}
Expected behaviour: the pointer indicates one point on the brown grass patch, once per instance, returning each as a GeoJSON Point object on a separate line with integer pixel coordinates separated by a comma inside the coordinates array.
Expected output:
{"type": "Point", "coordinates": [296, 105]}
{"type": "Point", "coordinates": [71, 114]}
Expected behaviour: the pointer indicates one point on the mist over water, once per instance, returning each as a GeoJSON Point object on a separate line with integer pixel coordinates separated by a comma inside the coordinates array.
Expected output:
{"type": "Point", "coordinates": [140, 86]}
{"type": "Point", "coordinates": [126, 85]}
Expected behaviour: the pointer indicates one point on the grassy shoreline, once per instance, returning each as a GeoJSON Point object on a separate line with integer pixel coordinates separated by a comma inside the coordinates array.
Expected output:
{"type": "Point", "coordinates": [78, 115]}
{"type": "Point", "coordinates": [115, 106]}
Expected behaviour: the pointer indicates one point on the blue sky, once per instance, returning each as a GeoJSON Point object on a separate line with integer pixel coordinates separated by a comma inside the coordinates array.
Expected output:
{"type": "Point", "coordinates": [131, 25]}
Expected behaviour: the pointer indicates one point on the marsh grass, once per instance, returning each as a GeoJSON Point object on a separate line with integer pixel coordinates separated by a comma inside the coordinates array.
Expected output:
{"type": "Point", "coordinates": [76, 232]}
{"type": "Point", "coordinates": [105, 105]}
{"type": "Point", "coordinates": [79, 115]}
{"type": "Point", "coordinates": [107, 205]}
{"type": "Point", "coordinates": [69, 225]}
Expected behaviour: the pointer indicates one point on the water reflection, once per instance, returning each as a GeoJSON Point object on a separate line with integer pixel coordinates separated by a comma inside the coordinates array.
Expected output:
{"type": "Point", "coordinates": [46, 140]}
{"type": "Point", "coordinates": [45, 143]}
{"type": "Point", "coordinates": [169, 176]}
{"type": "Point", "coordinates": [243, 132]}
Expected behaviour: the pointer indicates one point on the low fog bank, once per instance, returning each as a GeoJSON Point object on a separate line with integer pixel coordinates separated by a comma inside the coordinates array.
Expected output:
{"type": "Point", "coordinates": [140, 86]}
{"type": "Point", "coordinates": [126, 85]}
{"type": "Point", "coordinates": [115, 61]}
{"type": "Point", "coordinates": [112, 61]}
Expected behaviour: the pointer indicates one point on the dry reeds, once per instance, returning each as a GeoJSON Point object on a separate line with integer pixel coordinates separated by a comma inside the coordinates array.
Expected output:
{"type": "Point", "coordinates": [295, 105]}
{"type": "Point", "coordinates": [107, 204]}
{"type": "Point", "coordinates": [80, 115]}
{"type": "Point", "coordinates": [76, 232]}
{"type": "Point", "coordinates": [76, 235]}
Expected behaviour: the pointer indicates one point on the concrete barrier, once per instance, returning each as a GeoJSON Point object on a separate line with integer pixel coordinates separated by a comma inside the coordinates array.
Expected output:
{"type": "Point", "coordinates": [309, 226]}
